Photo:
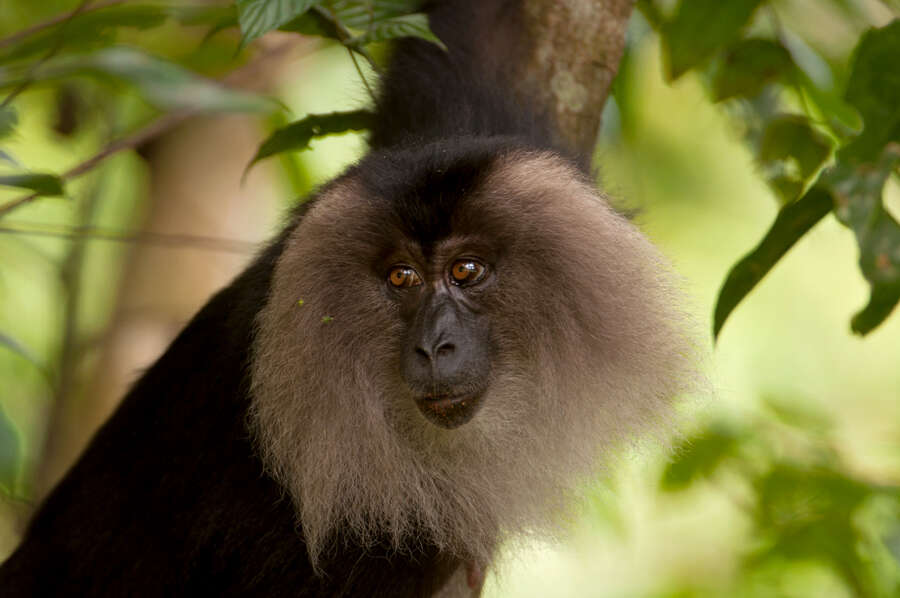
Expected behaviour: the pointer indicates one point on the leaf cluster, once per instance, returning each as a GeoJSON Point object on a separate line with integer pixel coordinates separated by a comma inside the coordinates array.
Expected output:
{"type": "Point", "coordinates": [823, 147]}
{"type": "Point", "coordinates": [802, 502]}
{"type": "Point", "coordinates": [85, 44]}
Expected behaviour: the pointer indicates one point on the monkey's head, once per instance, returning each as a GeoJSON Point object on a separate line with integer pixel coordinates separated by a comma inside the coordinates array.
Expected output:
{"type": "Point", "coordinates": [453, 337]}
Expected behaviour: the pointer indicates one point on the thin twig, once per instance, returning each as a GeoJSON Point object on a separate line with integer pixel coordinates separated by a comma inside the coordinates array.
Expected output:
{"type": "Point", "coordinates": [150, 131]}
{"type": "Point", "coordinates": [70, 277]}
{"type": "Point", "coordinates": [361, 75]}
{"type": "Point", "coordinates": [57, 45]}
{"type": "Point", "coordinates": [93, 233]}
{"type": "Point", "coordinates": [344, 35]}
{"type": "Point", "coordinates": [29, 31]}
{"type": "Point", "coordinates": [154, 129]}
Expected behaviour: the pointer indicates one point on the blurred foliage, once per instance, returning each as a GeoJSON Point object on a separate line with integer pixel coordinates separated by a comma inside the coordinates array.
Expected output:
{"type": "Point", "coordinates": [804, 504]}
{"type": "Point", "coordinates": [816, 136]}
{"type": "Point", "coordinates": [820, 115]}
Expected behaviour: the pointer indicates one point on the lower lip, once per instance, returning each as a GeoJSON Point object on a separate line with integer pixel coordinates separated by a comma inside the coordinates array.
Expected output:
{"type": "Point", "coordinates": [446, 402]}
{"type": "Point", "coordinates": [449, 412]}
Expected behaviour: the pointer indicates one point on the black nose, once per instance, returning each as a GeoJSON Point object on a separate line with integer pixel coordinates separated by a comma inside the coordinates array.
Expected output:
{"type": "Point", "coordinates": [439, 351]}
{"type": "Point", "coordinates": [447, 348]}
{"type": "Point", "coordinates": [438, 361]}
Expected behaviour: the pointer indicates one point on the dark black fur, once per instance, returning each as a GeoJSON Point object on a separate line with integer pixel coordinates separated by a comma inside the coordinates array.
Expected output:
{"type": "Point", "coordinates": [169, 498]}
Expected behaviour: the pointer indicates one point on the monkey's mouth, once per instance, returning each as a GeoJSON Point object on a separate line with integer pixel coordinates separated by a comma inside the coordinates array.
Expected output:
{"type": "Point", "coordinates": [449, 410]}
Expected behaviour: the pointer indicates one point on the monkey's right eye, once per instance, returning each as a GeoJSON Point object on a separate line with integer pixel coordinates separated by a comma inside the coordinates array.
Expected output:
{"type": "Point", "coordinates": [403, 277]}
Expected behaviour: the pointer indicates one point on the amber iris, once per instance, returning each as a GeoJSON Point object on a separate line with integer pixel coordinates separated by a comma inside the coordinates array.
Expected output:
{"type": "Point", "coordinates": [404, 277]}
{"type": "Point", "coordinates": [465, 272]}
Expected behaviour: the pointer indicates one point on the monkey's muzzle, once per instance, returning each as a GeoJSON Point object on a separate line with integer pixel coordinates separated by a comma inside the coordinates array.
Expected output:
{"type": "Point", "coordinates": [449, 411]}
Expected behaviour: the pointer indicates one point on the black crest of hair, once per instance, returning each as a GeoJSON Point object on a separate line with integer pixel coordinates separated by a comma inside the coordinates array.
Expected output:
{"type": "Point", "coordinates": [170, 498]}
{"type": "Point", "coordinates": [425, 185]}
{"type": "Point", "coordinates": [464, 92]}
{"type": "Point", "coordinates": [444, 116]}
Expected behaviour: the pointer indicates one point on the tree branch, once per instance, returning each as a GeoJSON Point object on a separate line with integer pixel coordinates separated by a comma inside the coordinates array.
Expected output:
{"type": "Point", "coordinates": [243, 77]}
{"type": "Point", "coordinates": [25, 33]}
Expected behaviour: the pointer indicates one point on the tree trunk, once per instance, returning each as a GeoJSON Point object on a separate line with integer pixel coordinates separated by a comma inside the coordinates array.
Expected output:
{"type": "Point", "coordinates": [574, 54]}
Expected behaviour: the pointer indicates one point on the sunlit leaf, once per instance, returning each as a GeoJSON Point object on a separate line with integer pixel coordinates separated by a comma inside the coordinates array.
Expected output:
{"type": "Point", "coordinates": [297, 135]}
{"type": "Point", "coordinates": [790, 153]}
{"type": "Point", "coordinates": [414, 25]}
{"type": "Point", "coordinates": [863, 167]}
{"type": "Point", "coordinates": [798, 415]}
{"type": "Point", "coordinates": [792, 222]}
{"type": "Point", "coordinates": [858, 189]}
{"type": "Point", "coordinates": [353, 15]}
{"type": "Point", "coordinates": [700, 28]}
{"type": "Point", "coordinates": [749, 66]}
{"type": "Point", "coordinates": [699, 457]}
{"type": "Point", "coordinates": [8, 121]}
{"type": "Point", "coordinates": [42, 184]}
{"type": "Point", "coordinates": [807, 513]}
{"type": "Point", "coordinates": [362, 14]}
{"type": "Point", "coordinates": [874, 90]}
{"type": "Point", "coordinates": [843, 118]}
{"type": "Point", "coordinates": [257, 17]}
{"type": "Point", "coordinates": [164, 84]}
{"type": "Point", "coordinates": [10, 455]}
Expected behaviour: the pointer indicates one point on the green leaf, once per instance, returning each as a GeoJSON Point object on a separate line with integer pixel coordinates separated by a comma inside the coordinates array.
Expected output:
{"type": "Point", "coordinates": [699, 29]}
{"type": "Point", "coordinates": [168, 85]}
{"type": "Point", "coordinates": [793, 221]}
{"type": "Point", "coordinates": [358, 15]}
{"type": "Point", "coordinates": [88, 30]}
{"type": "Point", "coordinates": [257, 17]}
{"type": "Point", "coordinates": [10, 455]}
{"type": "Point", "coordinates": [362, 14]}
{"type": "Point", "coordinates": [841, 117]}
{"type": "Point", "coordinates": [790, 153]}
{"type": "Point", "coordinates": [297, 135]}
{"type": "Point", "coordinates": [798, 415]}
{"type": "Point", "coordinates": [749, 66]}
{"type": "Point", "coordinates": [164, 84]}
{"type": "Point", "coordinates": [858, 187]}
{"type": "Point", "coordinates": [414, 25]}
{"type": "Point", "coordinates": [42, 184]}
{"type": "Point", "coordinates": [699, 457]}
{"type": "Point", "coordinates": [8, 121]}
{"type": "Point", "coordinates": [874, 90]}
{"type": "Point", "coordinates": [864, 165]}
{"type": "Point", "coordinates": [809, 513]}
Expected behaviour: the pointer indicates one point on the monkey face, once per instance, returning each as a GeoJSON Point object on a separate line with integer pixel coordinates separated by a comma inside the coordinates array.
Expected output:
{"type": "Point", "coordinates": [445, 289]}
{"type": "Point", "coordinates": [446, 358]}
{"type": "Point", "coordinates": [454, 335]}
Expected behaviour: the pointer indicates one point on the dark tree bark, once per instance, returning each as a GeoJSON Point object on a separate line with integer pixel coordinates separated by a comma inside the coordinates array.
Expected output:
{"type": "Point", "coordinates": [577, 46]}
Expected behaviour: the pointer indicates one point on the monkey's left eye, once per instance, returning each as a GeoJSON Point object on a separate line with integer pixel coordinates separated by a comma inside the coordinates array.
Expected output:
{"type": "Point", "coordinates": [404, 277]}
{"type": "Point", "coordinates": [466, 272]}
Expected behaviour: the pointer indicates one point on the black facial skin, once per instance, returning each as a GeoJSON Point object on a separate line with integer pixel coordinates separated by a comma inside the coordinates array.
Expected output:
{"type": "Point", "coordinates": [446, 357]}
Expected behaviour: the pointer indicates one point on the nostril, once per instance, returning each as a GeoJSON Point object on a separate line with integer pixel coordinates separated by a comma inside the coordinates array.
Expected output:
{"type": "Point", "coordinates": [423, 353]}
{"type": "Point", "coordinates": [445, 349]}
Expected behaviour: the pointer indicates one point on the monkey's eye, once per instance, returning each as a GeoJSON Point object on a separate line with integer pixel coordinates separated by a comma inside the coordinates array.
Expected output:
{"type": "Point", "coordinates": [466, 272]}
{"type": "Point", "coordinates": [403, 277]}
